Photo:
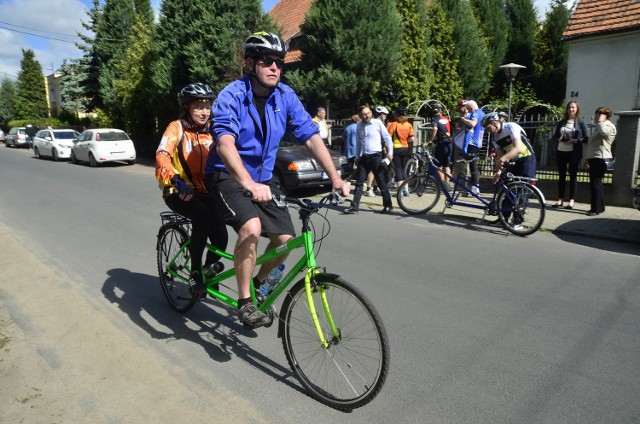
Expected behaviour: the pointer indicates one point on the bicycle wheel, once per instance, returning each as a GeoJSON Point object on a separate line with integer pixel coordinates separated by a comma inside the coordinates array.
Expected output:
{"type": "Point", "coordinates": [173, 267]}
{"type": "Point", "coordinates": [520, 210]}
{"type": "Point", "coordinates": [351, 371]}
{"type": "Point", "coordinates": [424, 194]}
{"type": "Point", "coordinates": [411, 168]}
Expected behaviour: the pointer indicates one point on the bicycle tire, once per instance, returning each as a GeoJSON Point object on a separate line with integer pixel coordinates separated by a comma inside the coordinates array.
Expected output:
{"type": "Point", "coordinates": [529, 209]}
{"type": "Point", "coordinates": [411, 168]}
{"type": "Point", "coordinates": [351, 371]}
{"type": "Point", "coordinates": [424, 194]}
{"type": "Point", "coordinates": [176, 290]}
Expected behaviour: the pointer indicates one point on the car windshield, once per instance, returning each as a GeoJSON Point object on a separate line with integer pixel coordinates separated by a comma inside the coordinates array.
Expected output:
{"type": "Point", "coordinates": [113, 136]}
{"type": "Point", "coordinates": [65, 135]}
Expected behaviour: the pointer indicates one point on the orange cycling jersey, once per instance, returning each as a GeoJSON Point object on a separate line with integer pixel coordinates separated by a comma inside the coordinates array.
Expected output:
{"type": "Point", "coordinates": [182, 152]}
{"type": "Point", "coordinates": [400, 133]}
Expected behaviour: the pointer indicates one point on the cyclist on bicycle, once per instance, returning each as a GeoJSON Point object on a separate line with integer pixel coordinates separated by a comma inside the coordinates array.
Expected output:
{"type": "Point", "coordinates": [441, 135]}
{"type": "Point", "coordinates": [250, 117]}
{"type": "Point", "coordinates": [511, 144]}
{"type": "Point", "coordinates": [180, 160]}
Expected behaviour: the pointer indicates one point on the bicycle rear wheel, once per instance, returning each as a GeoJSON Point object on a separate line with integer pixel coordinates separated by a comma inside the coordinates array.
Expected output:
{"type": "Point", "coordinates": [173, 267]}
{"type": "Point", "coordinates": [424, 194]}
{"type": "Point", "coordinates": [521, 210]}
{"type": "Point", "coordinates": [351, 371]}
{"type": "Point", "coordinates": [411, 168]}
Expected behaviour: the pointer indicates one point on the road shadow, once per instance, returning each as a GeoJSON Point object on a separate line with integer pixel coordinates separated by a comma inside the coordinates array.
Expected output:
{"type": "Point", "coordinates": [490, 225]}
{"type": "Point", "coordinates": [139, 297]}
{"type": "Point", "coordinates": [602, 233]}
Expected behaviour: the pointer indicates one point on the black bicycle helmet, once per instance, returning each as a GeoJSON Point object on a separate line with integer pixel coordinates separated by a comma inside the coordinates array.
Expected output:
{"type": "Point", "coordinates": [264, 43]}
{"type": "Point", "coordinates": [436, 108]}
{"type": "Point", "coordinates": [402, 111]}
{"type": "Point", "coordinates": [195, 91]}
{"type": "Point", "coordinates": [489, 117]}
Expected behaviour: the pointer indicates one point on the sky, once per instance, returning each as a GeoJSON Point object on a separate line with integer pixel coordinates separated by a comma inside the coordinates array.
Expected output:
{"type": "Point", "coordinates": [49, 28]}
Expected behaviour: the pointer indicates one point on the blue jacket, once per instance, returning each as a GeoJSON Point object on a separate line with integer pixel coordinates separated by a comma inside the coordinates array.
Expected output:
{"type": "Point", "coordinates": [234, 113]}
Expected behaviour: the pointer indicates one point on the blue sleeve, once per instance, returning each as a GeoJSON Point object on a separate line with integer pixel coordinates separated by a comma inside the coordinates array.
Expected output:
{"type": "Point", "coordinates": [299, 119]}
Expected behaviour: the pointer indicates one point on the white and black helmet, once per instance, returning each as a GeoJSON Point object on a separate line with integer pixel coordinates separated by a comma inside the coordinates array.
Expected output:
{"type": "Point", "coordinates": [195, 91]}
{"type": "Point", "coordinates": [264, 43]}
{"type": "Point", "coordinates": [490, 117]}
{"type": "Point", "coordinates": [381, 109]}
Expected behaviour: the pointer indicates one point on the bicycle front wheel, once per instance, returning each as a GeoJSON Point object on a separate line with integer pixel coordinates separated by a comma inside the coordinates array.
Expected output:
{"type": "Point", "coordinates": [173, 267]}
{"type": "Point", "coordinates": [418, 195]}
{"type": "Point", "coordinates": [521, 210]}
{"type": "Point", "coordinates": [351, 370]}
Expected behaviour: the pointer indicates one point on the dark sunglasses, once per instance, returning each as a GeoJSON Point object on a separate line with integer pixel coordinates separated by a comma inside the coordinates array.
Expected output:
{"type": "Point", "coordinates": [268, 61]}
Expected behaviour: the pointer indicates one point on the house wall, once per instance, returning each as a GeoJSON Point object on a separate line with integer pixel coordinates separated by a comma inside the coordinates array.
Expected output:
{"type": "Point", "coordinates": [604, 71]}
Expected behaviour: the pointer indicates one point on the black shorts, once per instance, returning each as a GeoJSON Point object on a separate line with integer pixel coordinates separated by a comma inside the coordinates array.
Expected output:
{"type": "Point", "coordinates": [443, 154]}
{"type": "Point", "coordinates": [239, 208]}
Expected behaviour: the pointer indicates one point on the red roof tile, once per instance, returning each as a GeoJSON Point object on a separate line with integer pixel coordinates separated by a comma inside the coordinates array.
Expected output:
{"type": "Point", "coordinates": [594, 17]}
{"type": "Point", "coordinates": [289, 14]}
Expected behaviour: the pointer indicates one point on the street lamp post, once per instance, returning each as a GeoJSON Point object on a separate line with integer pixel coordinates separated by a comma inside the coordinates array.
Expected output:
{"type": "Point", "coordinates": [511, 70]}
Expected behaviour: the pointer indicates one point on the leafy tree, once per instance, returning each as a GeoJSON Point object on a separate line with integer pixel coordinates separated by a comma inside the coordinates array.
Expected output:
{"type": "Point", "coordinates": [447, 86]}
{"type": "Point", "coordinates": [7, 100]}
{"type": "Point", "coordinates": [132, 89]}
{"type": "Point", "coordinates": [471, 51]}
{"type": "Point", "coordinates": [414, 77]}
{"type": "Point", "coordinates": [349, 50]}
{"type": "Point", "coordinates": [88, 68]}
{"type": "Point", "coordinates": [31, 96]}
{"type": "Point", "coordinates": [494, 25]}
{"type": "Point", "coordinates": [201, 43]}
{"type": "Point", "coordinates": [552, 55]}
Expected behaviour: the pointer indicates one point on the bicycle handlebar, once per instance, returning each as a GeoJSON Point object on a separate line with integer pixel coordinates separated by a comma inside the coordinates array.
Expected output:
{"type": "Point", "coordinates": [282, 201]}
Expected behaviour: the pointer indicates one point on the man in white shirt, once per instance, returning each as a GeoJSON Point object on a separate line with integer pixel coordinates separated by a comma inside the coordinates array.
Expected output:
{"type": "Point", "coordinates": [370, 134]}
{"type": "Point", "coordinates": [321, 120]}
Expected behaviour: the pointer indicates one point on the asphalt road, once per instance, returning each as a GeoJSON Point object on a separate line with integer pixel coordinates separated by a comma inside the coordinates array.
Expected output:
{"type": "Point", "coordinates": [484, 327]}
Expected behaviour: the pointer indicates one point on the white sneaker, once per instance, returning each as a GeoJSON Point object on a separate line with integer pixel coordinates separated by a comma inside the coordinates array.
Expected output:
{"type": "Point", "coordinates": [518, 227]}
{"type": "Point", "coordinates": [475, 190]}
{"type": "Point", "coordinates": [369, 193]}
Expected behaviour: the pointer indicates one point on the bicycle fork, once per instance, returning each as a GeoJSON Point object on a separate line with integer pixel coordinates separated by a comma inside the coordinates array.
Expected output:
{"type": "Point", "coordinates": [309, 287]}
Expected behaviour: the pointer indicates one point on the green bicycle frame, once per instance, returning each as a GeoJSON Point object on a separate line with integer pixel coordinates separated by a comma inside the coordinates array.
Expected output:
{"type": "Point", "coordinates": [307, 261]}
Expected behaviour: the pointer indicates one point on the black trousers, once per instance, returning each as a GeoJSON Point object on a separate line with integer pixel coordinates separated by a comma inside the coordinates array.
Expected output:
{"type": "Point", "coordinates": [597, 169]}
{"type": "Point", "coordinates": [206, 222]}
{"type": "Point", "coordinates": [371, 163]}
{"type": "Point", "coordinates": [564, 160]}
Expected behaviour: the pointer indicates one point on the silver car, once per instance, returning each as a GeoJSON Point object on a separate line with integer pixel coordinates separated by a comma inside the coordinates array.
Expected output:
{"type": "Point", "coordinates": [17, 137]}
{"type": "Point", "coordinates": [55, 144]}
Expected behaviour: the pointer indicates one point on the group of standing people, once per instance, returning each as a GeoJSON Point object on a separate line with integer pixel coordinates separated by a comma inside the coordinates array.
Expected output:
{"type": "Point", "coordinates": [571, 133]}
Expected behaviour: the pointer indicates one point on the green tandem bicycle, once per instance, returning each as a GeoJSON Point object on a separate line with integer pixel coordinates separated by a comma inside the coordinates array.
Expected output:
{"type": "Point", "coordinates": [333, 338]}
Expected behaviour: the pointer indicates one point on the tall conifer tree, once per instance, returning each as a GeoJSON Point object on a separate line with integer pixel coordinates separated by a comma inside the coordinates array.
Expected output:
{"type": "Point", "coordinates": [447, 86]}
{"type": "Point", "coordinates": [31, 96]}
{"type": "Point", "coordinates": [7, 100]}
{"type": "Point", "coordinates": [552, 55]}
{"type": "Point", "coordinates": [350, 50]}
{"type": "Point", "coordinates": [414, 77]}
{"type": "Point", "coordinates": [471, 50]}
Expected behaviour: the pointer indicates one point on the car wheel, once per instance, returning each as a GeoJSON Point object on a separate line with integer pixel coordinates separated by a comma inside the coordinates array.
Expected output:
{"type": "Point", "coordinates": [131, 162]}
{"type": "Point", "coordinates": [36, 153]}
{"type": "Point", "coordinates": [54, 155]}
{"type": "Point", "coordinates": [92, 161]}
{"type": "Point", "coordinates": [74, 159]}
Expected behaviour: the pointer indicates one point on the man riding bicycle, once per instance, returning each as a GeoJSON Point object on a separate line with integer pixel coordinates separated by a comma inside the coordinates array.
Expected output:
{"type": "Point", "coordinates": [250, 117]}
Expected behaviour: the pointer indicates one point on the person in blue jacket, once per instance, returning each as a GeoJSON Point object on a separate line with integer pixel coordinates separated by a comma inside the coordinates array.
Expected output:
{"type": "Point", "coordinates": [250, 117]}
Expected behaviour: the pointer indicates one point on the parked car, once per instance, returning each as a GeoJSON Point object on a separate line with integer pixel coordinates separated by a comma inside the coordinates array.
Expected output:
{"type": "Point", "coordinates": [102, 145]}
{"type": "Point", "coordinates": [17, 137]}
{"type": "Point", "coordinates": [296, 168]}
{"type": "Point", "coordinates": [54, 143]}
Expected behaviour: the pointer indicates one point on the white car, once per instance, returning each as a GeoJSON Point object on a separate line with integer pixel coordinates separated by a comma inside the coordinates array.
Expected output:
{"type": "Point", "coordinates": [54, 143]}
{"type": "Point", "coordinates": [16, 137]}
{"type": "Point", "coordinates": [102, 145]}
